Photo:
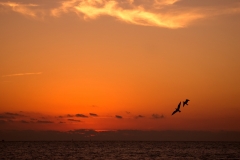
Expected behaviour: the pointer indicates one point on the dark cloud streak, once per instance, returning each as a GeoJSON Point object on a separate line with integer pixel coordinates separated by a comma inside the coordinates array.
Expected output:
{"type": "Point", "coordinates": [119, 117]}
{"type": "Point", "coordinates": [157, 116]}
{"type": "Point", "coordinates": [119, 135]}
{"type": "Point", "coordinates": [139, 116]}
{"type": "Point", "coordinates": [81, 115]}
{"type": "Point", "coordinates": [93, 114]}
{"type": "Point", "coordinates": [43, 121]}
{"type": "Point", "coordinates": [23, 121]}
{"type": "Point", "coordinates": [74, 120]}
{"type": "Point", "coordinates": [69, 115]}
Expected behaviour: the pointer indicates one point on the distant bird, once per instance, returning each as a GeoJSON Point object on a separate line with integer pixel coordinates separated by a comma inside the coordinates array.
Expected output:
{"type": "Point", "coordinates": [177, 109]}
{"type": "Point", "coordinates": [185, 102]}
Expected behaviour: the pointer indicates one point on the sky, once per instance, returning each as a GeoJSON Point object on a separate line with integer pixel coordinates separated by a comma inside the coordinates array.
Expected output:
{"type": "Point", "coordinates": [110, 66]}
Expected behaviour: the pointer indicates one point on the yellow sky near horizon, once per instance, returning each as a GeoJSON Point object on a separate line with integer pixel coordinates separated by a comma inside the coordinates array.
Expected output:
{"type": "Point", "coordinates": [120, 58]}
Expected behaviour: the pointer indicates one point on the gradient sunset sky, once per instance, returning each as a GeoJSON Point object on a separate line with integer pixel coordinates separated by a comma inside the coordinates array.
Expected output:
{"type": "Point", "coordinates": [119, 65]}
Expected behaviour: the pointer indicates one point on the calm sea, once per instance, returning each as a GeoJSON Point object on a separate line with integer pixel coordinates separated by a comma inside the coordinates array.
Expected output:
{"type": "Point", "coordinates": [119, 150]}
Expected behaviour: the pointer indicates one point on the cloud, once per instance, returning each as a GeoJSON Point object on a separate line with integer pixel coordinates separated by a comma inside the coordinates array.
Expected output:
{"type": "Point", "coordinates": [69, 115]}
{"type": "Point", "coordinates": [81, 115]}
{"type": "Point", "coordinates": [23, 121]}
{"type": "Point", "coordinates": [25, 9]}
{"type": "Point", "coordinates": [72, 115]}
{"type": "Point", "coordinates": [128, 13]}
{"type": "Point", "coordinates": [139, 116]}
{"type": "Point", "coordinates": [74, 120]}
{"type": "Point", "coordinates": [119, 135]}
{"type": "Point", "coordinates": [62, 122]}
{"type": "Point", "coordinates": [162, 3]}
{"type": "Point", "coordinates": [3, 116]}
{"type": "Point", "coordinates": [15, 114]}
{"type": "Point", "coordinates": [93, 114]}
{"type": "Point", "coordinates": [44, 121]}
{"type": "Point", "coordinates": [21, 74]}
{"type": "Point", "coordinates": [9, 115]}
{"type": "Point", "coordinates": [156, 116]}
{"type": "Point", "coordinates": [159, 13]}
{"type": "Point", "coordinates": [83, 131]}
{"type": "Point", "coordinates": [128, 112]}
{"type": "Point", "coordinates": [119, 117]}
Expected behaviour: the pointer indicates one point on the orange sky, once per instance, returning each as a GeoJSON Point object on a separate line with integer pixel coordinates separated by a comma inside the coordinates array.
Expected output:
{"type": "Point", "coordinates": [129, 62]}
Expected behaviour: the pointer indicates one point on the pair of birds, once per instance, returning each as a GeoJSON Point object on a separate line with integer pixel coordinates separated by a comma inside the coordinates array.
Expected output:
{"type": "Point", "coordinates": [179, 105]}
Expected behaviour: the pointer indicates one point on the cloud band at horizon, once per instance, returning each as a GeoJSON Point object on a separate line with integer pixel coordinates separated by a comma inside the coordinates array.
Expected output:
{"type": "Point", "coordinates": [159, 13]}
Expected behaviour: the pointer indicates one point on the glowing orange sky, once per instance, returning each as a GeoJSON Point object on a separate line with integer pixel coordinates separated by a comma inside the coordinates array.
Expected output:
{"type": "Point", "coordinates": [130, 62]}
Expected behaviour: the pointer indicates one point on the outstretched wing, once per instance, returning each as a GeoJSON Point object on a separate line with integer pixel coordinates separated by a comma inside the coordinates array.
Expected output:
{"type": "Point", "coordinates": [174, 112]}
{"type": "Point", "coordinates": [185, 102]}
{"type": "Point", "coordinates": [179, 105]}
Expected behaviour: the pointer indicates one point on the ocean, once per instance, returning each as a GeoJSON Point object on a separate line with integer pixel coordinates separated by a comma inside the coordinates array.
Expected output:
{"type": "Point", "coordinates": [119, 150]}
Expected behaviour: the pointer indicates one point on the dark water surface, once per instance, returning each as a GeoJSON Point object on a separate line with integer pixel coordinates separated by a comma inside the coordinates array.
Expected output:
{"type": "Point", "coordinates": [119, 150]}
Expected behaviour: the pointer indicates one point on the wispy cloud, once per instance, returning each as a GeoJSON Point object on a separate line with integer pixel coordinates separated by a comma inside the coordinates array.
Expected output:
{"type": "Point", "coordinates": [69, 115]}
{"type": "Point", "coordinates": [119, 135]}
{"type": "Point", "coordinates": [61, 122]}
{"type": "Point", "coordinates": [161, 3]}
{"type": "Point", "coordinates": [93, 114]}
{"type": "Point", "coordinates": [139, 116]}
{"type": "Point", "coordinates": [10, 115]}
{"type": "Point", "coordinates": [23, 121]}
{"type": "Point", "coordinates": [159, 13]}
{"type": "Point", "coordinates": [128, 12]}
{"type": "Point", "coordinates": [74, 120]}
{"type": "Point", "coordinates": [128, 112]}
{"type": "Point", "coordinates": [43, 121]}
{"type": "Point", "coordinates": [14, 114]}
{"type": "Point", "coordinates": [81, 115]}
{"type": "Point", "coordinates": [157, 116]}
{"type": "Point", "coordinates": [25, 9]}
{"type": "Point", "coordinates": [22, 74]}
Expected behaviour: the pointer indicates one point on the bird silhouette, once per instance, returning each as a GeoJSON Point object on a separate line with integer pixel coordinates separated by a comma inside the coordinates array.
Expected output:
{"type": "Point", "coordinates": [177, 109]}
{"type": "Point", "coordinates": [185, 102]}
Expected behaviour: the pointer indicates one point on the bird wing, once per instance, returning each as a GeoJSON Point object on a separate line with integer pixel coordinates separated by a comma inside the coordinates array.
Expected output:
{"type": "Point", "coordinates": [179, 105]}
{"type": "Point", "coordinates": [174, 112]}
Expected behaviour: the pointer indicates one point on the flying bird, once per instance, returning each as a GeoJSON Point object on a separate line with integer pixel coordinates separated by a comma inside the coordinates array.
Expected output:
{"type": "Point", "coordinates": [177, 109]}
{"type": "Point", "coordinates": [185, 102]}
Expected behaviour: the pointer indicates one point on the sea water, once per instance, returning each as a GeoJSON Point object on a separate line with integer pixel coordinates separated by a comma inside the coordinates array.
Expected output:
{"type": "Point", "coordinates": [111, 150]}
